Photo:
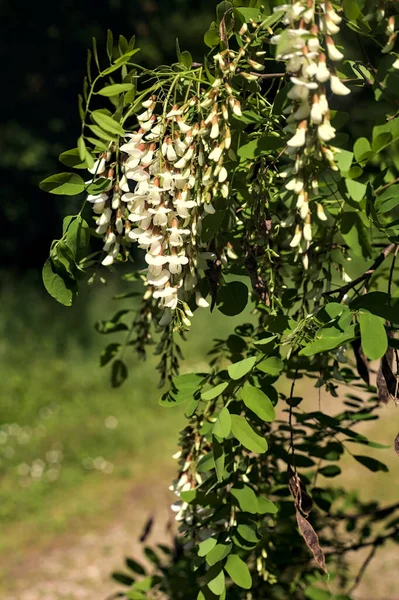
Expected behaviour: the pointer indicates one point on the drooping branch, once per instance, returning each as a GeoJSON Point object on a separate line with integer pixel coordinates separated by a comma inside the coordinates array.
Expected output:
{"type": "Point", "coordinates": [365, 277]}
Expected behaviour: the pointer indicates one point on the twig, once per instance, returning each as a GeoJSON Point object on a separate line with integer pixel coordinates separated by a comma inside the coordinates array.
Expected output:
{"type": "Point", "coordinates": [366, 275]}
{"type": "Point", "coordinates": [362, 569]}
{"type": "Point", "coordinates": [386, 186]}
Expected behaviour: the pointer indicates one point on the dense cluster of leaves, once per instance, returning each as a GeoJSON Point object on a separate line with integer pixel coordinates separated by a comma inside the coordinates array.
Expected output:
{"type": "Point", "coordinates": [256, 516]}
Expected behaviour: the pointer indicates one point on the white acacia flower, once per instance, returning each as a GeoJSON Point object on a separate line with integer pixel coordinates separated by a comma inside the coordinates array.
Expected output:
{"type": "Point", "coordinates": [105, 218]}
{"type": "Point", "coordinates": [396, 64]}
{"type": "Point", "coordinates": [110, 241]}
{"type": "Point", "coordinates": [137, 174]}
{"type": "Point", "coordinates": [316, 115]}
{"type": "Point", "coordinates": [304, 210]}
{"type": "Point", "coordinates": [337, 87]}
{"type": "Point", "coordinates": [296, 240]}
{"type": "Point", "coordinates": [333, 52]}
{"type": "Point", "coordinates": [98, 167]}
{"type": "Point", "coordinates": [108, 260]}
{"type": "Point", "coordinates": [200, 300]}
{"type": "Point", "coordinates": [168, 296]}
{"type": "Point", "coordinates": [215, 128]}
{"type": "Point", "coordinates": [216, 154]}
{"type": "Point", "coordinates": [332, 14]}
{"type": "Point", "coordinates": [182, 206]}
{"type": "Point", "coordinates": [325, 131]}
{"type": "Point", "coordinates": [184, 127]}
{"type": "Point", "coordinates": [299, 139]}
{"type": "Point", "coordinates": [175, 263]}
{"type": "Point", "coordinates": [307, 232]}
{"type": "Point", "coordinates": [158, 260]}
{"type": "Point", "coordinates": [313, 44]}
{"type": "Point", "coordinates": [327, 25]}
{"type": "Point", "coordinates": [302, 112]}
{"type": "Point", "coordinates": [160, 216]}
{"type": "Point", "coordinates": [298, 92]}
{"type": "Point", "coordinates": [310, 85]}
{"type": "Point", "coordinates": [97, 198]}
{"type": "Point", "coordinates": [98, 207]}
{"type": "Point", "coordinates": [320, 213]}
{"type": "Point", "coordinates": [176, 236]}
{"type": "Point", "coordinates": [323, 104]}
{"type": "Point", "coordinates": [160, 278]}
{"type": "Point", "coordinates": [322, 73]}
{"type": "Point", "coordinates": [294, 64]}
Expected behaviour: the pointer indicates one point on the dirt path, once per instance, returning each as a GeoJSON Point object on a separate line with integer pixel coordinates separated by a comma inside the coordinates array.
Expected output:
{"type": "Point", "coordinates": [75, 568]}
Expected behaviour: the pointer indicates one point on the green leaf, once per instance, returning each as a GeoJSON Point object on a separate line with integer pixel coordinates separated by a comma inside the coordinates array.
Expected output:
{"type": "Point", "coordinates": [215, 391]}
{"type": "Point", "coordinates": [84, 153]}
{"type": "Point", "coordinates": [356, 190]}
{"type": "Point", "coordinates": [330, 471]}
{"type": "Point", "coordinates": [110, 44]}
{"type": "Point", "coordinates": [371, 463]}
{"type": "Point", "coordinates": [115, 89]}
{"type": "Point", "coordinates": [119, 373]}
{"type": "Point", "coordinates": [352, 9]}
{"type": "Point", "coordinates": [211, 225]}
{"type": "Point", "coordinates": [212, 36]}
{"type": "Point", "coordinates": [244, 433]}
{"type": "Point", "coordinates": [222, 426]}
{"type": "Point", "coordinates": [238, 571]}
{"type": "Point", "coordinates": [326, 339]}
{"type": "Point", "coordinates": [232, 298]}
{"type": "Point", "coordinates": [186, 59]}
{"type": "Point", "coordinates": [362, 149]}
{"type": "Point", "coordinates": [373, 334]}
{"type": "Point", "coordinates": [109, 353]}
{"type": "Point", "coordinates": [246, 499]}
{"type": "Point", "coordinates": [218, 459]}
{"type": "Point", "coordinates": [249, 534]}
{"type": "Point", "coordinates": [107, 123]}
{"type": "Point", "coordinates": [344, 159]}
{"type": "Point", "coordinates": [241, 368]}
{"type": "Point", "coordinates": [222, 8]}
{"type": "Point", "coordinates": [258, 402]}
{"type": "Point", "coordinates": [272, 365]}
{"type": "Point", "coordinates": [103, 135]}
{"type": "Point", "coordinates": [217, 584]}
{"type": "Point", "coordinates": [184, 388]}
{"type": "Point", "coordinates": [67, 184]}
{"type": "Point", "coordinates": [266, 506]}
{"type": "Point", "coordinates": [60, 287]}
{"type": "Point", "coordinates": [206, 546]}
{"type": "Point", "coordinates": [381, 141]}
{"type": "Point", "coordinates": [218, 553]}
{"type": "Point", "coordinates": [355, 234]}
{"type": "Point", "coordinates": [77, 236]}
{"type": "Point", "coordinates": [260, 146]}
{"type": "Point", "coordinates": [71, 158]}
{"type": "Point", "coordinates": [245, 14]}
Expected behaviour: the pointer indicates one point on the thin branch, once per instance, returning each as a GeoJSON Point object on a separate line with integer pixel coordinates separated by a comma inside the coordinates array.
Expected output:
{"type": "Point", "coordinates": [366, 275]}
{"type": "Point", "coordinates": [362, 569]}
{"type": "Point", "coordinates": [385, 187]}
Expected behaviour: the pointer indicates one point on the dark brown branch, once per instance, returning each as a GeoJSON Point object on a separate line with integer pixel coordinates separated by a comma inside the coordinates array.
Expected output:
{"type": "Point", "coordinates": [366, 275]}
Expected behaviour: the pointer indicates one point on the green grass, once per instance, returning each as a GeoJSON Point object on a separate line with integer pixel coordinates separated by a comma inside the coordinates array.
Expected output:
{"type": "Point", "coordinates": [63, 430]}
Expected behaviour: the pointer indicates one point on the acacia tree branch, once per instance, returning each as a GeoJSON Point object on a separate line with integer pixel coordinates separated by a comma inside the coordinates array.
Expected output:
{"type": "Point", "coordinates": [365, 276]}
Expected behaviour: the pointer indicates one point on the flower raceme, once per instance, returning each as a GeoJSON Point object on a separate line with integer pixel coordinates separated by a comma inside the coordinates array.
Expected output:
{"type": "Point", "coordinates": [308, 48]}
{"type": "Point", "coordinates": [171, 171]}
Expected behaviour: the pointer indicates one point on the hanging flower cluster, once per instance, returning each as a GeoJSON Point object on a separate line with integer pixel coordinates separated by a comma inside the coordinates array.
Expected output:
{"type": "Point", "coordinates": [169, 173]}
{"type": "Point", "coordinates": [308, 47]}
